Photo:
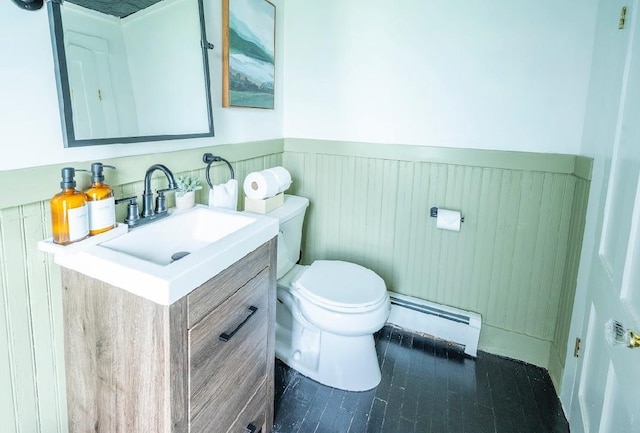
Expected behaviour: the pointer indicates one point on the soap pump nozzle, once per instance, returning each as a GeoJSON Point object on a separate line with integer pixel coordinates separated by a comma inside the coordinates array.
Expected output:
{"type": "Point", "coordinates": [97, 174]}
{"type": "Point", "coordinates": [69, 177]}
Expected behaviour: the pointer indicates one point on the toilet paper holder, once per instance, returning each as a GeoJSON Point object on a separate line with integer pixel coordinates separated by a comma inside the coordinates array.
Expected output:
{"type": "Point", "coordinates": [434, 213]}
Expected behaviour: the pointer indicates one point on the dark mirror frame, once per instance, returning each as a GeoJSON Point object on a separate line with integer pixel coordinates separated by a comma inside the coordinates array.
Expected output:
{"type": "Point", "coordinates": [29, 5]}
{"type": "Point", "coordinates": [64, 95]}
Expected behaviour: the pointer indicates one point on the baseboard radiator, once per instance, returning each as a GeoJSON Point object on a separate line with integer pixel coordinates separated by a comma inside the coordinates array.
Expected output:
{"type": "Point", "coordinates": [440, 321]}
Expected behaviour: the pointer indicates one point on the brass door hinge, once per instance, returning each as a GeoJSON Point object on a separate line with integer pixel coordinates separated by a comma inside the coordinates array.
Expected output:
{"type": "Point", "coordinates": [623, 17]}
{"type": "Point", "coordinates": [576, 348]}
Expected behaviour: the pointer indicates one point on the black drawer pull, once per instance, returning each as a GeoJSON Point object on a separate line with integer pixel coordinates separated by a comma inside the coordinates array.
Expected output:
{"type": "Point", "coordinates": [226, 337]}
{"type": "Point", "coordinates": [251, 429]}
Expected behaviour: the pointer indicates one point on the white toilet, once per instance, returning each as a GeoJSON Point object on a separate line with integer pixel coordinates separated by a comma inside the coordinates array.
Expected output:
{"type": "Point", "coordinates": [327, 312]}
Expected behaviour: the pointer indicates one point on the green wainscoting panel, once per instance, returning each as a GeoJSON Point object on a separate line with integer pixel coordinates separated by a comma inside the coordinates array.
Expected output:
{"type": "Point", "coordinates": [32, 391]}
{"type": "Point", "coordinates": [561, 339]}
{"type": "Point", "coordinates": [40, 183]}
{"type": "Point", "coordinates": [32, 376]}
{"type": "Point", "coordinates": [579, 166]}
{"type": "Point", "coordinates": [514, 260]}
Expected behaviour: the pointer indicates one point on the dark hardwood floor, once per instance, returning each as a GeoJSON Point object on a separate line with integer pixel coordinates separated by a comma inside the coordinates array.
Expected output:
{"type": "Point", "coordinates": [428, 386]}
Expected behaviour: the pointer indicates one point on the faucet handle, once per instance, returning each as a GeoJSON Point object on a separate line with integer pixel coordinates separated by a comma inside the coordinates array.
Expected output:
{"type": "Point", "coordinates": [161, 201]}
{"type": "Point", "coordinates": [131, 200]}
{"type": "Point", "coordinates": [132, 210]}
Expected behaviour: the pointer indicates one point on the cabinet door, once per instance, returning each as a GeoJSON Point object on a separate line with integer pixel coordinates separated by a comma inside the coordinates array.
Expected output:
{"type": "Point", "coordinates": [214, 292]}
{"type": "Point", "coordinates": [252, 418]}
{"type": "Point", "coordinates": [223, 375]}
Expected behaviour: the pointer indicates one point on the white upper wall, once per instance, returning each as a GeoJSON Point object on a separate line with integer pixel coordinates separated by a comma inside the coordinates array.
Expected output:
{"type": "Point", "coordinates": [490, 74]}
{"type": "Point", "coordinates": [30, 130]}
{"type": "Point", "coordinates": [478, 74]}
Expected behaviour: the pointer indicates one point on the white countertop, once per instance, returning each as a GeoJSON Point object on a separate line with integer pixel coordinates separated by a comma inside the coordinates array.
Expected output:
{"type": "Point", "coordinates": [162, 283]}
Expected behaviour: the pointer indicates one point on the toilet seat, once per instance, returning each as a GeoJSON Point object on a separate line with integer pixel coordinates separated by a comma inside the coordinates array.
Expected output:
{"type": "Point", "coordinates": [341, 285]}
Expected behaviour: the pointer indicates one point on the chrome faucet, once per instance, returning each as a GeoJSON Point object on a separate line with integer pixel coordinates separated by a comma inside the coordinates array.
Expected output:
{"type": "Point", "coordinates": [147, 196]}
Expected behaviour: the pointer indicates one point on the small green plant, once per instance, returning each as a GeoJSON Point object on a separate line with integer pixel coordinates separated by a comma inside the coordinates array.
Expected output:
{"type": "Point", "coordinates": [186, 184]}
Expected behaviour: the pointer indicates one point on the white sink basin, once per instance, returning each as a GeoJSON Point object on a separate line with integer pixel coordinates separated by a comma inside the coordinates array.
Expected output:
{"type": "Point", "coordinates": [182, 233]}
{"type": "Point", "coordinates": [166, 259]}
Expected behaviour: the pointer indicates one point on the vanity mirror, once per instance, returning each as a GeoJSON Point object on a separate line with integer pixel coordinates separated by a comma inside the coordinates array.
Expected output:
{"type": "Point", "coordinates": [131, 71]}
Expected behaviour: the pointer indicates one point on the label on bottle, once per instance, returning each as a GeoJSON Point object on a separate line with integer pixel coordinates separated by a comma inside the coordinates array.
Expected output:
{"type": "Point", "coordinates": [78, 223]}
{"type": "Point", "coordinates": [102, 213]}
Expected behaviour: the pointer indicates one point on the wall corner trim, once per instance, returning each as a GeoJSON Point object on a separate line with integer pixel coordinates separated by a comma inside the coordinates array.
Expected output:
{"type": "Point", "coordinates": [583, 167]}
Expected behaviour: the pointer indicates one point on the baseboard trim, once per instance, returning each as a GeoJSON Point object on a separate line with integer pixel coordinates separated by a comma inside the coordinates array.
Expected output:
{"type": "Point", "coordinates": [516, 346]}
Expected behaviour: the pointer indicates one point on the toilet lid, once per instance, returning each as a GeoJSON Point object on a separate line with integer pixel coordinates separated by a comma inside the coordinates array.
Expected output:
{"type": "Point", "coordinates": [340, 284]}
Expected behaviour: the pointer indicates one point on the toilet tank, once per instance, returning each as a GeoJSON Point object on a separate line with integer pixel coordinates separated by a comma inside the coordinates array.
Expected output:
{"type": "Point", "coordinates": [290, 216]}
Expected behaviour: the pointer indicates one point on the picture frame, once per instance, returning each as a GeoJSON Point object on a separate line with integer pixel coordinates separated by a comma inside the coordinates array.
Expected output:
{"type": "Point", "coordinates": [248, 53]}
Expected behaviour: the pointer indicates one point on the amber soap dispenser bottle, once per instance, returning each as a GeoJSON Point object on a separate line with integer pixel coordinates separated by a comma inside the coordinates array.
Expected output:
{"type": "Point", "coordinates": [69, 211]}
{"type": "Point", "coordinates": [101, 202]}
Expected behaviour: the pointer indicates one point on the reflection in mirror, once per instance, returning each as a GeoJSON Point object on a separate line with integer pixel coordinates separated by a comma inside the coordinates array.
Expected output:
{"type": "Point", "coordinates": [130, 75]}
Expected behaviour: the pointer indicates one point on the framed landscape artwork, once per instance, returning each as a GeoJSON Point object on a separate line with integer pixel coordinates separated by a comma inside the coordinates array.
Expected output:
{"type": "Point", "coordinates": [248, 53]}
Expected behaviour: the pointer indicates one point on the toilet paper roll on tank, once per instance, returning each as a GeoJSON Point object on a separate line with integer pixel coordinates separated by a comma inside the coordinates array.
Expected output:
{"type": "Point", "coordinates": [260, 185]}
{"type": "Point", "coordinates": [264, 189]}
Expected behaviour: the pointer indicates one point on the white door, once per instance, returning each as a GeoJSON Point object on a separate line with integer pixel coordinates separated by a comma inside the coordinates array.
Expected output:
{"type": "Point", "coordinates": [86, 97]}
{"type": "Point", "coordinates": [606, 392]}
{"type": "Point", "coordinates": [92, 97]}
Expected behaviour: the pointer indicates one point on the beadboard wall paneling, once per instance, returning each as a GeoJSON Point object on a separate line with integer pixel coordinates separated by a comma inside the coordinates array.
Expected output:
{"type": "Point", "coordinates": [514, 260]}
{"type": "Point", "coordinates": [562, 341]}
{"type": "Point", "coordinates": [32, 381]}
{"type": "Point", "coordinates": [40, 183]}
{"type": "Point", "coordinates": [32, 366]}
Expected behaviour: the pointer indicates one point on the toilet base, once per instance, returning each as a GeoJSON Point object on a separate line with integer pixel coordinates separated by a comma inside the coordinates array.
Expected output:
{"type": "Point", "coordinates": [349, 363]}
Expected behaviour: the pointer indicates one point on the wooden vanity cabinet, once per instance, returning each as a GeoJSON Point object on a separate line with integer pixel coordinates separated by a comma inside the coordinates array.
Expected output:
{"type": "Point", "coordinates": [136, 366]}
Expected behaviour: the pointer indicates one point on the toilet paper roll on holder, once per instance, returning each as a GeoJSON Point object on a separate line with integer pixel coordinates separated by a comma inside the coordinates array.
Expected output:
{"type": "Point", "coordinates": [434, 213]}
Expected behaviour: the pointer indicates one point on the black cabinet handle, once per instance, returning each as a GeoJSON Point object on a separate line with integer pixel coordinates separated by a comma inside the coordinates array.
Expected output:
{"type": "Point", "coordinates": [251, 429]}
{"type": "Point", "coordinates": [227, 336]}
